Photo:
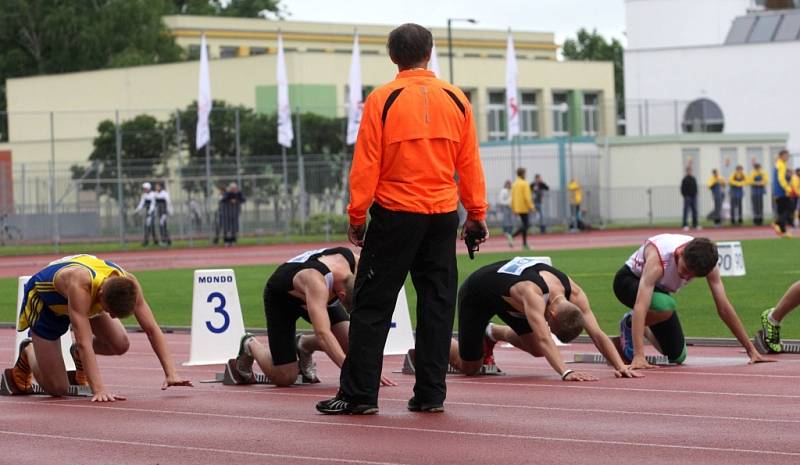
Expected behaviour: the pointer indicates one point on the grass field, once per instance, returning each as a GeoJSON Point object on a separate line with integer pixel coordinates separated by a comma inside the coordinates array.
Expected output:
{"type": "Point", "coordinates": [772, 265]}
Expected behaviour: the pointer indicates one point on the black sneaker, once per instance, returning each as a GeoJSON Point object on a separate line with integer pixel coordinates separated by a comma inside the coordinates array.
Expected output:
{"type": "Point", "coordinates": [339, 406]}
{"type": "Point", "coordinates": [416, 406]}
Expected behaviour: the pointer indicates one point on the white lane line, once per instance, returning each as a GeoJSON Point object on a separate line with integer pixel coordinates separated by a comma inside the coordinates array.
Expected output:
{"type": "Point", "coordinates": [562, 385]}
{"type": "Point", "coordinates": [614, 412]}
{"type": "Point", "coordinates": [191, 448]}
{"type": "Point", "coordinates": [417, 430]}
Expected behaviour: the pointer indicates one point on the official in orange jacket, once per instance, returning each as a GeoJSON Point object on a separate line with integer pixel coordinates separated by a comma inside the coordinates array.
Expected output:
{"type": "Point", "coordinates": [416, 155]}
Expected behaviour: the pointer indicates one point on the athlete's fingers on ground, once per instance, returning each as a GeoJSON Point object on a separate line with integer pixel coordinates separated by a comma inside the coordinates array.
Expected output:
{"type": "Point", "coordinates": [761, 360]}
{"type": "Point", "coordinates": [387, 382]}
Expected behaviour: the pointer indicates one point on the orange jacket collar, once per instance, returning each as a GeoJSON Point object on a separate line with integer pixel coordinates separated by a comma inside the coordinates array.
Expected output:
{"type": "Point", "coordinates": [414, 73]}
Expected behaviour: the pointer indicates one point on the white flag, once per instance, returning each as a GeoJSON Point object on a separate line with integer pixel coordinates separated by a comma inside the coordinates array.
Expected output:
{"type": "Point", "coordinates": [512, 105]}
{"type": "Point", "coordinates": [203, 98]}
{"type": "Point", "coordinates": [433, 65]}
{"type": "Point", "coordinates": [355, 103]}
{"type": "Point", "coordinates": [285, 132]}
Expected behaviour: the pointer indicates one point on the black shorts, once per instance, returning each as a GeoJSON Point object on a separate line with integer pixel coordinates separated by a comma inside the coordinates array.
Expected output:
{"type": "Point", "coordinates": [668, 333]}
{"type": "Point", "coordinates": [473, 316]}
{"type": "Point", "coordinates": [282, 315]}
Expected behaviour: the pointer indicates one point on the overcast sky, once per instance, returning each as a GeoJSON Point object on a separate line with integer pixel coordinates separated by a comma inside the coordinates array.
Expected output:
{"type": "Point", "coordinates": [563, 17]}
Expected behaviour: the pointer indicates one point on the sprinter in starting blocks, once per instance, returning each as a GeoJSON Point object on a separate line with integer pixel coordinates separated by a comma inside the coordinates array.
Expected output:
{"type": "Point", "coordinates": [533, 299]}
{"type": "Point", "coordinates": [316, 286]}
{"type": "Point", "coordinates": [92, 295]}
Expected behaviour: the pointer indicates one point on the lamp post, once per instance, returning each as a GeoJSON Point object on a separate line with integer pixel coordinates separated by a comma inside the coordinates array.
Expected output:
{"type": "Point", "coordinates": [450, 40]}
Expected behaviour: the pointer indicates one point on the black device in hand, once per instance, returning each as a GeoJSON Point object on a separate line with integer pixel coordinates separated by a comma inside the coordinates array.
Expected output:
{"type": "Point", "coordinates": [471, 238]}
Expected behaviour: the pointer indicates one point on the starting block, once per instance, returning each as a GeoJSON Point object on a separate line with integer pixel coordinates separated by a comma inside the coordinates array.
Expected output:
{"type": "Point", "coordinates": [408, 367]}
{"type": "Point", "coordinates": [8, 388]}
{"type": "Point", "coordinates": [597, 358]}
{"type": "Point", "coordinates": [229, 378]}
{"type": "Point", "coordinates": [786, 348]}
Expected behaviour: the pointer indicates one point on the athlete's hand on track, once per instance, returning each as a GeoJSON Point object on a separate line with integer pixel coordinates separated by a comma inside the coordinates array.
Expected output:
{"type": "Point", "coordinates": [639, 363]}
{"type": "Point", "coordinates": [755, 357]}
{"type": "Point", "coordinates": [387, 382]}
{"type": "Point", "coordinates": [627, 372]}
{"type": "Point", "coordinates": [355, 234]}
{"type": "Point", "coordinates": [580, 376]}
{"type": "Point", "coordinates": [105, 396]}
{"type": "Point", "coordinates": [175, 381]}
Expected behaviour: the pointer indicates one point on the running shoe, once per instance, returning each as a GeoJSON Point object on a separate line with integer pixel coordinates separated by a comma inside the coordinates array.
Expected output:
{"type": "Point", "coordinates": [626, 336]}
{"type": "Point", "coordinates": [488, 350]}
{"type": "Point", "coordinates": [79, 377]}
{"type": "Point", "coordinates": [771, 333]}
{"type": "Point", "coordinates": [21, 374]}
{"type": "Point", "coordinates": [244, 360]}
{"type": "Point", "coordinates": [416, 406]}
{"type": "Point", "coordinates": [305, 361]}
{"type": "Point", "coordinates": [340, 406]}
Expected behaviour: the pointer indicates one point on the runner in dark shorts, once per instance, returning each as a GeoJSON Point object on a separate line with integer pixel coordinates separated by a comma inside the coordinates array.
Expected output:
{"type": "Point", "coordinates": [533, 299]}
{"type": "Point", "coordinates": [316, 286]}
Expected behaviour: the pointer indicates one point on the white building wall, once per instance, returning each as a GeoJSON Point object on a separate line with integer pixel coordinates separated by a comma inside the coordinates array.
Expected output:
{"type": "Point", "coordinates": [679, 23]}
{"type": "Point", "coordinates": [755, 85]}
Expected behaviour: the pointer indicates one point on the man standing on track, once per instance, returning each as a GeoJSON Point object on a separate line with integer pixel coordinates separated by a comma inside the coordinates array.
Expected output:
{"type": "Point", "coordinates": [782, 193]}
{"type": "Point", "coordinates": [533, 299]}
{"type": "Point", "coordinates": [522, 205]}
{"type": "Point", "coordinates": [661, 266]}
{"type": "Point", "coordinates": [416, 134]}
{"type": "Point", "coordinates": [92, 295]}
{"type": "Point", "coordinates": [146, 203]}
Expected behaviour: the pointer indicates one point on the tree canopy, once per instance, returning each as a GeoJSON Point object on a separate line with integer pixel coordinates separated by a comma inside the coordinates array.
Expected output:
{"type": "Point", "coordinates": [593, 46]}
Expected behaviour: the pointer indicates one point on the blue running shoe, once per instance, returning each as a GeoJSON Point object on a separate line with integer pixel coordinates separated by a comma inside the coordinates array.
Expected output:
{"type": "Point", "coordinates": [625, 336]}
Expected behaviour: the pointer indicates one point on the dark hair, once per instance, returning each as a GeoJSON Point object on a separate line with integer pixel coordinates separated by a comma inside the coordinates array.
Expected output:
{"type": "Point", "coordinates": [120, 295]}
{"type": "Point", "coordinates": [783, 152]}
{"type": "Point", "coordinates": [409, 45]}
{"type": "Point", "coordinates": [700, 256]}
{"type": "Point", "coordinates": [520, 171]}
{"type": "Point", "coordinates": [569, 321]}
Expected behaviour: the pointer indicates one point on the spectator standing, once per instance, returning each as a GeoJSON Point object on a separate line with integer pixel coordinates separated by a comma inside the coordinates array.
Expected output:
{"type": "Point", "coordinates": [504, 208]}
{"type": "Point", "coordinates": [162, 209]}
{"type": "Point", "coordinates": [796, 196]}
{"type": "Point", "coordinates": [413, 221]}
{"type": "Point", "coordinates": [782, 193]}
{"type": "Point", "coordinates": [521, 204]}
{"type": "Point", "coordinates": [575, 199]}
{"type": "Point", "coordinates": [737, 182]}
{"type": "Point", "coordinates": [230, 209]}
{"type": "Point", "coordinates": [689, 194]}
{"type": "Point", "coordinates": [758, 187]}
{"type": "Point", "coordinates": [146, 202]}
{"type": "Point", "coordinates": [716, 184]}
{"type": "Point", "coordinates": [539, 188]}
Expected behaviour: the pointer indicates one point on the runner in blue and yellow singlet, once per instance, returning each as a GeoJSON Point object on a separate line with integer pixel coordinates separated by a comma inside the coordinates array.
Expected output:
{"type": "Point", "coordinates": [92, 295]}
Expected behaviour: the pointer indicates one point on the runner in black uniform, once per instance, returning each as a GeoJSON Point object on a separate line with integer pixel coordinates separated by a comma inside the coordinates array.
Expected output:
{"type": "Point", "coordinates": [316, 286]}
{"type": "Point", "coordinates": [533, 299]}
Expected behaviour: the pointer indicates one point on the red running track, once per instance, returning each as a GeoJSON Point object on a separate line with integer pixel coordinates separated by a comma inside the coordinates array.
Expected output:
{"type": "Point", "coordinates": [203, 257]}
{"type": "Point", "coordinates": [714, 410]}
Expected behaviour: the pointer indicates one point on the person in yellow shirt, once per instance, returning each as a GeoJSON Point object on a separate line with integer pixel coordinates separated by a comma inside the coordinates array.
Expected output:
{"type": "Point", "coordinates": [716, 184]}
{"type": "Point", "coordinates": [575, 199]}
{"type": "Point", "coordinates": [758, 187]}
{"type": "Point", "coordinates": [522, 205]}
{"type": "Point", "coordinates": [796, 196]}
{"type": "Point", "coordinates": [92, 295]}
{"type": "Point", "coordinates": [782, 193]}
{"type": "Point", "coordinates": [737, 182]}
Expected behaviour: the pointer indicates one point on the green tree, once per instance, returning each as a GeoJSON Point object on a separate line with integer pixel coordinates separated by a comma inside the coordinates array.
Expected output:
{"type": "Point", "coordinates": [145, 147]}
{"type": "Point", "coordinates": [233, 8]}
{"type": "Point", "coordinates": [58, 36]}
{"type": "Point", "coordinates": [593, 46]}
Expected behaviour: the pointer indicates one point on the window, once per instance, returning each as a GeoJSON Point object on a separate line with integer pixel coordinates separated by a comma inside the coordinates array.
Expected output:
{"type": "Point", "coordinates": [703, 115]}
{"type": "Point", "coordinates": [560, 114]}
{"type": "Point", "coordinates": [258, 51]}
{"type": "Point", "coordinates": [529, 115]}
{"type": "Point", "coordinates": [227, 51]}
{"type": "Point", "coordinates": [591, 114]}
{"type": "Point", "coordinates": [765, 27]}
{"type": "Point", "coordinates": [496, 114]}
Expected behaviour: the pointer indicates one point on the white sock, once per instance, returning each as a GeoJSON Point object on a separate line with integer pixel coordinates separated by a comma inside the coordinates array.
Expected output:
{"type": "Point", "coordinates": [489, 333]}
{"type": "Point", "coordinates": [773, 321]}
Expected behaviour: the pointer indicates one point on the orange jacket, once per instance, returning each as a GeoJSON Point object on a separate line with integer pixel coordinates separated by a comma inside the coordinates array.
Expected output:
{"type": "Point", "coordinates": [417, 133]}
